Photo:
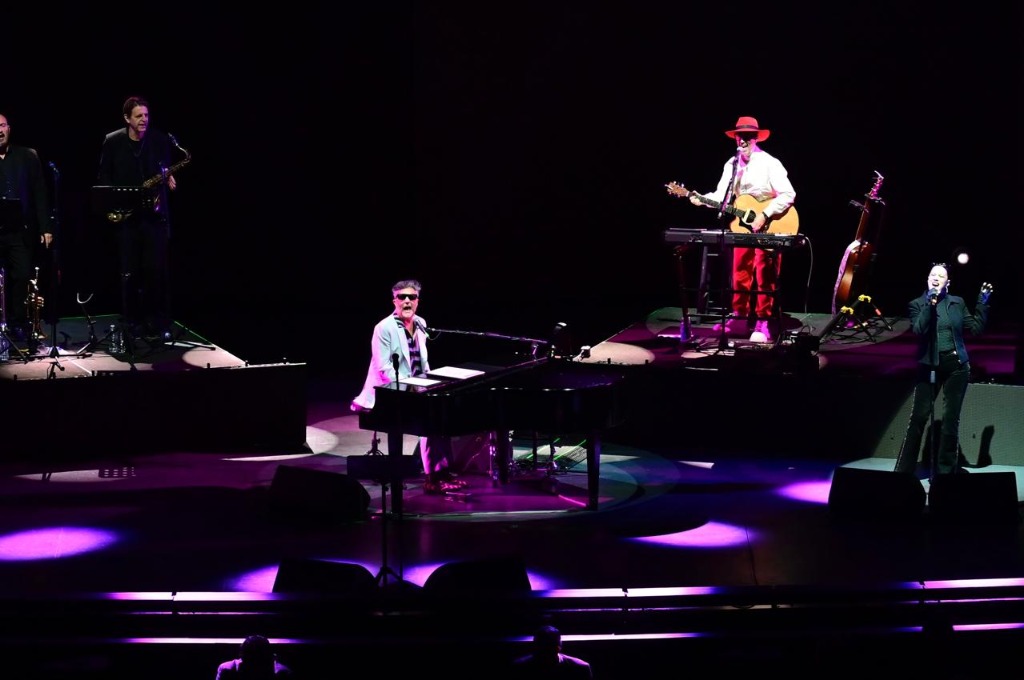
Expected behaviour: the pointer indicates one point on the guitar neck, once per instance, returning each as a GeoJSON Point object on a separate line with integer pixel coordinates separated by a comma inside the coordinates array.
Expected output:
{"type": "Point", "coordinates": [732, 210]}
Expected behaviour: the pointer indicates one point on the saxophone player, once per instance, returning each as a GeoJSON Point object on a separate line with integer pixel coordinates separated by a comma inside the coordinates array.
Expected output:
{"type": "Point", "coordinates": [25, 221]}
{"type": "Point", "coordinates": [131, 155]}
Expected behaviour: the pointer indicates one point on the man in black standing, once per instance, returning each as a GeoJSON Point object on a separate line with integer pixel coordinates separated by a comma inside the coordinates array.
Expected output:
{"type": "Point", "coordinates": [138, 155]}
{"type": "Point", "coordinates": [24, 221]}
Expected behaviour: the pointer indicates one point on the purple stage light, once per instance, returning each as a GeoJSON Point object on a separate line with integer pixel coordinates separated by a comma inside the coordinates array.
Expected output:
{"type": "Point", "coordinates": [53, 543]}
{"type": "Point", "coordinates": [709, 535]}
{"type": "Point", "coordinates": [811, 492]}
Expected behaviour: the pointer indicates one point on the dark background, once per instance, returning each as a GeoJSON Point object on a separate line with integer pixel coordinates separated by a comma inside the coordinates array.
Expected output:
{"type": "Point", "coordinates": [513, 158]}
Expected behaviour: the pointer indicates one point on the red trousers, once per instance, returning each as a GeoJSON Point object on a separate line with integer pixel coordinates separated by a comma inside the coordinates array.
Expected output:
{"type": "Point", "coordinates": [752, 266]}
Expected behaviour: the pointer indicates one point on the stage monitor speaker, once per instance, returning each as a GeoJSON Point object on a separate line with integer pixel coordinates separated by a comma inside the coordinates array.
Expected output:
{"type": "Point", "coordinates": [324, 576]}
{"type": "Point", "coordinates": [317, 495]}
{"type": "Point", "coordinates": [983, 498]}
{"type": "Point", "coordinates": [493, 576]}
{"type": "Point", "coordinates": [858, 493]}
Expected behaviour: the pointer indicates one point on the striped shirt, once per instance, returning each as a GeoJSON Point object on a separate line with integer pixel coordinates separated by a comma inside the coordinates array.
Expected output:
{"type": "Point", "coordinates": [414, 349]}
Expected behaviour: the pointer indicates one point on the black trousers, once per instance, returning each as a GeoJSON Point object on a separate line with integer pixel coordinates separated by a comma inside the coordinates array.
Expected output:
{"type": "Point", "coordinates": [16, 260]}
{"type": "Point", "coordinates": [143, 257]}
{"type": "Point", "coordinates": [951, 378]}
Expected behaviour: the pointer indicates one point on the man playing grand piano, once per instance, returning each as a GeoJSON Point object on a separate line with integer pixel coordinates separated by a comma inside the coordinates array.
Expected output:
{"type": "Point", "coordinates": [399, 350]}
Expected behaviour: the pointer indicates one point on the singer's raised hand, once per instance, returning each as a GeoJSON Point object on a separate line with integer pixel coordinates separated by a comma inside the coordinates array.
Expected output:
{"type": "Point", "coordinates": [986, 291]}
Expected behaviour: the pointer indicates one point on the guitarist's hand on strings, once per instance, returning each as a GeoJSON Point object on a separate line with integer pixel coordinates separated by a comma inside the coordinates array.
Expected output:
{"type": "Point", "coordinates": [759, 224]}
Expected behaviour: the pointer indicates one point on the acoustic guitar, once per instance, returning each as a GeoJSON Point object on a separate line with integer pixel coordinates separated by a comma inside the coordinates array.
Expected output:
{"type": "Point", "coordinates": [856, 264]}
{"type": "Point", "coordinates": [745, 210]}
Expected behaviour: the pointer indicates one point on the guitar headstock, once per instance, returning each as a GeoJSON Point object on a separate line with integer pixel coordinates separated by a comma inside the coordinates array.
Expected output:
{"type": "Point", "coordinates": [677, 189]}
{"type": "Point", "coordinates": [873, 194]}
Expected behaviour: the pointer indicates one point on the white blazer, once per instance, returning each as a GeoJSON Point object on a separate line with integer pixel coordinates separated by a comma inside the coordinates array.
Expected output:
{"type": "Point", "coordinates": [389, 338]}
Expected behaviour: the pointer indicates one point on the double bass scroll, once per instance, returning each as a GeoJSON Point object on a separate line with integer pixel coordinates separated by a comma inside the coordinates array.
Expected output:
{"type": "Point", "coordinates": [855, 267]}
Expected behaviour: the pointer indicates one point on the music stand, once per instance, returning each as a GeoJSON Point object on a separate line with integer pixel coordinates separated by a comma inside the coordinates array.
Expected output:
{"type": "Point", "coordinates": [383, 468]}
{"type": "Point", "coordinates": [11, 218]}
{"type": "Point", "coordinates": [7, 345]}
{"type": "Point", "coordinates": [114, 203]}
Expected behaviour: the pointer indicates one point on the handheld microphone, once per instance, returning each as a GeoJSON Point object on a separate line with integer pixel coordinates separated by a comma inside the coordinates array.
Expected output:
{"type": "Point", "coordinates": [933, 296]}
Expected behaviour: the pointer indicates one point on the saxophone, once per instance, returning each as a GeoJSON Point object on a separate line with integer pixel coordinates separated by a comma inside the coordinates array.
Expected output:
{"type": "Point", "coordinates": [116, 216]}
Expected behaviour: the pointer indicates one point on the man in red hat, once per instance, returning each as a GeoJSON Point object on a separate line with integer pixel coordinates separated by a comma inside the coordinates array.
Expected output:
{"type": "Point", "coordinates": [755, 173]}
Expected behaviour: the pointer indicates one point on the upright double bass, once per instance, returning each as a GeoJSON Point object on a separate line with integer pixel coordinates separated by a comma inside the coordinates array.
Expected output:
{"type": "Point", "coordinates": [855, 268]}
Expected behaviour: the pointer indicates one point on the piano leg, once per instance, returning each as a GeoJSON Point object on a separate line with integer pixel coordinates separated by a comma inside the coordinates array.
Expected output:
{"type": "Point", "coordinates": [593, 469]}
{"type": "Point", "coordinates": [396, 446]}
{"type": "Point", "coordinates": [502, 456]}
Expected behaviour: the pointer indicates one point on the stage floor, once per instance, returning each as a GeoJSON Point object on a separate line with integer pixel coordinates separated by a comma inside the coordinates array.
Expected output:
{"type": "Point", "coordinates": [87, 394]}
{"type": "Point", "coordinates": [753, 525]}
{"type": "Point", "coordinates": [89, 347]}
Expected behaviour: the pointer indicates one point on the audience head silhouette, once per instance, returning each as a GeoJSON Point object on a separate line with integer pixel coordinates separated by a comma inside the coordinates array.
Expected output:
{"type": "Point", "coordinates": [546, 660]}
{"type": "Point", "coordinates": [256, 654]}
{"type": "Point", "coordinates": [547, 643]}
{"type": "Point", "coordinates": [256, 659]}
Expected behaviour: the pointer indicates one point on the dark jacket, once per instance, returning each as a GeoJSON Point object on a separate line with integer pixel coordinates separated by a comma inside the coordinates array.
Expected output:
{"type": "Point", "coordinates": [21, 178]}
{"type": "Point", "coordinates": [960, 320]}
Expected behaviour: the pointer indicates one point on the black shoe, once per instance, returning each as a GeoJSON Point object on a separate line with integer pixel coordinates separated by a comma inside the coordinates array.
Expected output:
{"type": "Point", "coordinates": [433, 488]}
{"type": "Point", "coordinates": [445, 477]}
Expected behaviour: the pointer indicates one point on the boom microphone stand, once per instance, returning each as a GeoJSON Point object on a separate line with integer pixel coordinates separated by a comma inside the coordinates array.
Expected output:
{"type": "Point", "coordinates": [55, 271]}
{"type": "Point", "coordinates": [391, 474]}
{"type": "Point", "coordinates": [933, 466]}
{"type": "Point", "coordinates": [11, 217]}
{"type": "Point", "coordinates": [727, 282]}
{"type": "Point", "coordinates": [6, 344]}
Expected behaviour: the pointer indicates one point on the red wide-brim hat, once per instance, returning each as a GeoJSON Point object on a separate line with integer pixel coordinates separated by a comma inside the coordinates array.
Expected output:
{"type": "Point", "coordinates": [748, 124]}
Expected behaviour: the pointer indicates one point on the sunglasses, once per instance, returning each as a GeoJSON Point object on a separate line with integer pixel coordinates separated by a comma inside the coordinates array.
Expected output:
{"type": "Point", "coordinates": [407, 296]}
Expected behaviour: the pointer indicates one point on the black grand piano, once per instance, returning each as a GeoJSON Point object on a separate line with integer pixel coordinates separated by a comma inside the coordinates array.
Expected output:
{"type": "Point", "coordinates": [549, 395]}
